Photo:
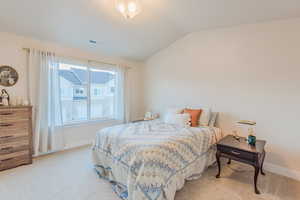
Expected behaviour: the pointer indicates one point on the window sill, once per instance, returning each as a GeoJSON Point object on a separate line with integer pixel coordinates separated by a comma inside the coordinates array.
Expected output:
{"type": "Point", "coordinates": [90, 122]}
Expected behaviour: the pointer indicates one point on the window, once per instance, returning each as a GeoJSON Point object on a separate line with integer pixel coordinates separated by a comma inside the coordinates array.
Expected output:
{"type": "Point", "coordinates": [97, 91]}
{"type": "Point", "coordinates": [102, 103]}
{"type": "Point", "coordinates": [112, 89]}
{"type": "Point", "coordinates": [86, 93]}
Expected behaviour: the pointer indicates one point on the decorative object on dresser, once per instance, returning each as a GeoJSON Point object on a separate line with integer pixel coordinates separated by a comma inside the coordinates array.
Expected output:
{"type": "Point", "coordinates": [4, 98]}
{"type": "Point", "coordinates": [240, 150]}
{"type": "Point", "coordinates": [8, 76]}
{"type": "Point", "coordinates": [15, 136]}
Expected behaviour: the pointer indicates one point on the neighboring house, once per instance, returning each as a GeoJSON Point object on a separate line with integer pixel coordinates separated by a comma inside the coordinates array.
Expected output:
{"type": "Point", "coordinates": [102, 83]}
{"type": "Point", "coordinates": [74, 94]}
{"type": "Point", "coordinates": [71, 86]}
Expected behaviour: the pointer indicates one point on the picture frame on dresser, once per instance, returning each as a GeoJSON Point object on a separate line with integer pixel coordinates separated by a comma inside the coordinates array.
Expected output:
{"type": "Point", "coordinates": [15, 136]}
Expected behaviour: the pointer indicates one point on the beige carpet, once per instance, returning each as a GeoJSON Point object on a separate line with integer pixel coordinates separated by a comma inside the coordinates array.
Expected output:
{"type": "Point", "coordinates": [69, 176]}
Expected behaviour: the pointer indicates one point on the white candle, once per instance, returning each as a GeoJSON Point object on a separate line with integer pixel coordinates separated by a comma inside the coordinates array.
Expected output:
{"type": "Point", "coordinates": [25, 103]}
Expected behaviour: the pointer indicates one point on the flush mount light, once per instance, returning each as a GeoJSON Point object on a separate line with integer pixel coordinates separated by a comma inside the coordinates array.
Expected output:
{"type": "Point", "coordinates": [128, 8]}
{"type": "Point", "coordinates": [92, 41]}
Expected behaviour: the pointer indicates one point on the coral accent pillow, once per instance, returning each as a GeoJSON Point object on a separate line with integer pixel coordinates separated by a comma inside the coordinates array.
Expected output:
{"type": "Point", "coordinates": [195, 115]}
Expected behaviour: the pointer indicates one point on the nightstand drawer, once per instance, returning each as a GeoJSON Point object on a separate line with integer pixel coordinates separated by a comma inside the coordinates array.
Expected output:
{"type": "Point", "coordinates": [237, 153]}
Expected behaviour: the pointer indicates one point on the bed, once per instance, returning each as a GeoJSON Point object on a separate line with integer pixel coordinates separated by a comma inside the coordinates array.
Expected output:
{"type": "Point", "coordinates": [151, 160]}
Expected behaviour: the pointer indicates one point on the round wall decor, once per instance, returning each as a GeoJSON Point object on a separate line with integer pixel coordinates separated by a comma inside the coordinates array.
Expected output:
{"type": "Point", "coordinates": [8, 76]}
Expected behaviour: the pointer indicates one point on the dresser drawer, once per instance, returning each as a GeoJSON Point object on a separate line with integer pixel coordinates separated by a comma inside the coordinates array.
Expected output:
{"type": "Point", "coordinates": [14, 147]}
{"type": "Point", "coordinates": [237, 153]}
{"type": "Point", "coordinates": [14, 162]}
{"type": "Point", "coordinates": [9, 156]}
{"type": "Point", "coordinates": [13, 138]}
{"type": "Point", "coordinates": [14, 127]}
{"type": "Point", "coordinates": [8, 115]}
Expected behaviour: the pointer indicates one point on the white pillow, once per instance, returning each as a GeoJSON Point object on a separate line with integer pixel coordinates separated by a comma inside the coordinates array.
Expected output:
{"type": "Point", "coordinates": [205, 117]}
{"type": "Point", "coordinates": [178, 119]}
{"type": "Point", "coordinates": [174, 110]}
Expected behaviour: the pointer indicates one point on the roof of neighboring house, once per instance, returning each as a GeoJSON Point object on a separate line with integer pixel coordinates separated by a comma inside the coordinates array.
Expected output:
{"type": "Point", "coordinates": [70, 76]}
{"type": "Point", "coordinates": [82, 74]}
{"type": "Point", "coordinates": [96, 77]}
{"type": "Point", "coordinates": [79, 76]}
{"type": "Point", "coordinates": [101, 77]}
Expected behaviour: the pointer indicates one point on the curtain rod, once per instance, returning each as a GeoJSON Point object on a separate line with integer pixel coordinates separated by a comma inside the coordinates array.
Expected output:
{"type": "Point", "coordinates": [28, 49]}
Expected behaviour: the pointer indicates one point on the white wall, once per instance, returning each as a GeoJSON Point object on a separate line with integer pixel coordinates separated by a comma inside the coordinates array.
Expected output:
{"type": "Point", "coordinates": [247, 72]}
{"type": "Point", "coordinates": [11, 53]}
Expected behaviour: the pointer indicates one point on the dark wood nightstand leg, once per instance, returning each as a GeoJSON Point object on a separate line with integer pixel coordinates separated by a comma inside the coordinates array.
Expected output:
{"type": "Point", "coordinates": [229, 161]}
{"type": "Point", "coordinates": [255, 179]}
{"type": "Point", "coordinates": [219, 164]}
{"type": "Point", "coordinates": [262, 163]}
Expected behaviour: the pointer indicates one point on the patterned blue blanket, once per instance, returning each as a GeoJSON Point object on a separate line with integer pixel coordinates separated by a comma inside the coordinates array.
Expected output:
{"type": "Point", "coordinates": [151, 160]}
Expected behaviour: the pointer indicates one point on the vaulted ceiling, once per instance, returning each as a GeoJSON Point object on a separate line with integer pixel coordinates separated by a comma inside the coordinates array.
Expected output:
{"type": "Point", "coordinates": [74, 22]}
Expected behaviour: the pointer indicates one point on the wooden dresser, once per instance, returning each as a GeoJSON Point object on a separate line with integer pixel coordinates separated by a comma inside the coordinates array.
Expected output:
{"type": "Point", "coordinates": [15, 136]}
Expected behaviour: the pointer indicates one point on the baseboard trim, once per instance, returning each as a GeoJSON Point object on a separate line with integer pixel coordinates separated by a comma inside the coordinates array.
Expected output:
{"type": "Point", "coordinates": [67, 147]}
{"type": "Point", "coordinates": [282, 171]}
{"type": "Point", "coordinates": [78, 144]}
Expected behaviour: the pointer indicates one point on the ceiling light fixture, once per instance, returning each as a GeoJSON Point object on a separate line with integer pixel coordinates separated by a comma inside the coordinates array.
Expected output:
{"type": "Point", "coordinates": [128, 8]}
{"type": "Point", "coordinates": [92, 41]}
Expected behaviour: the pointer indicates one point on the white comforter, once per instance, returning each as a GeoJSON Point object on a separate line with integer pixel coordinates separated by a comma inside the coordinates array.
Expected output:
{"type": "Point", "coordinates": [151, 160]}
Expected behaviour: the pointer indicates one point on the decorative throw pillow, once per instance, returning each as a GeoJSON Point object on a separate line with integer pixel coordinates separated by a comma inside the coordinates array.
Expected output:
{"type": "Point", "coordinates": [213, 119]}
{"type": "Point", "coordinates": [205, 117]}
{"type": "Point", "coordinates": [195, 115]}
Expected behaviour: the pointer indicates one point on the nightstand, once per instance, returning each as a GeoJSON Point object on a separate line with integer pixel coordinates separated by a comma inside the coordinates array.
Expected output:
{"type": "Point", "coordinates": [241, 151]}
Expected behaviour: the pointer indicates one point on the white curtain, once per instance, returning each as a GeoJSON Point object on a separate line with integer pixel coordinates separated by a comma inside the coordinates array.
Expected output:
{"type": "Point", "coordinates": [44, 95]}
{"type": "Point", "coordinates": [122, 98]}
